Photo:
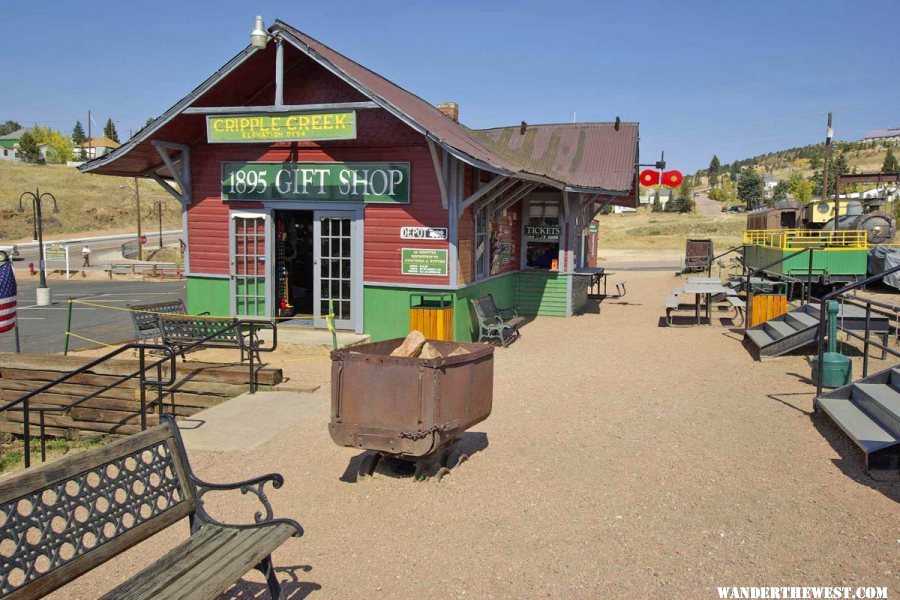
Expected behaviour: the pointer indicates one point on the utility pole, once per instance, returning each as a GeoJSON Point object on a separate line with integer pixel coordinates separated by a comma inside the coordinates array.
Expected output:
{"type": "Point", "coordinates": [829, 133]}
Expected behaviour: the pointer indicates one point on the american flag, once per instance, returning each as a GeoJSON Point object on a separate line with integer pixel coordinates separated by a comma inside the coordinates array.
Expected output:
{"type": "Point", "coordinates": [8, 293]}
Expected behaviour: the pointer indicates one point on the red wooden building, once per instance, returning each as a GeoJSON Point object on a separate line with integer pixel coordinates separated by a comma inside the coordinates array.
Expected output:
{"type": "Point", "coordinates": [308, 182]}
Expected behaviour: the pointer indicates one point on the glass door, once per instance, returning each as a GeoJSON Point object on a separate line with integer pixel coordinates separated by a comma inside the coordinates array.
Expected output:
{"type": "Point", "coordinates": [334, 269]}
{"type": "Point", "coordinates": [248, 265]}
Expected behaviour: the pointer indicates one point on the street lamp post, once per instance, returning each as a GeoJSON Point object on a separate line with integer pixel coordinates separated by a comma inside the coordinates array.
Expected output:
{"type": "Point", "coordinates": [137, 200]}
{"type": "Point", "coordinates": [43, 292]}
{"type": "Point", "coordinates": [159, 214]}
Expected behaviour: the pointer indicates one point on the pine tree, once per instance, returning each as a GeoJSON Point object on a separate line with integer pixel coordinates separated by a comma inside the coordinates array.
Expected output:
{"type": "Point", "coordinates": [78, 136]}
{"type": "Point", "coordinates": [750, 188]}
{"type": "Point", "coordinates": [9, 127]}
{"type": "Point", "coordinates": [714, 167]}
{"type": "Point", "coordinates": [109, 130]}
{"type": "Point", "coordinates": [890, 164]}
{"type": "Point", "coordinates": [657, 205]}
{"type": "Point", "coordinates": [28, 148]}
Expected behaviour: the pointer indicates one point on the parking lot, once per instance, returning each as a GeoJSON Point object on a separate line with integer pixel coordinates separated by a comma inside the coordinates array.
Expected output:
{"type": "Point", "coordinates": [42, 328]}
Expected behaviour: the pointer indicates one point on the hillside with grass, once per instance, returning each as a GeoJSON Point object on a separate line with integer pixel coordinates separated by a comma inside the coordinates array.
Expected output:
{"type": "Point", "coordinates": [645, 230]}
{"type": "Point", "coordinates": [861, 157]}
{"type": "Point", "coordinates": [87, 203]}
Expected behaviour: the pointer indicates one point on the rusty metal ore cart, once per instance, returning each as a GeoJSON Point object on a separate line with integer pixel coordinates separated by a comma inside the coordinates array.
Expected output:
{"type": "Point", "coordinates": [410, 409]}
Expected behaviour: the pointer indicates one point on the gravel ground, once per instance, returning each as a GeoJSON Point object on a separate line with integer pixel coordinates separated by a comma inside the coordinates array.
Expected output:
{"type": "Point", "coordinates": [622, 459]}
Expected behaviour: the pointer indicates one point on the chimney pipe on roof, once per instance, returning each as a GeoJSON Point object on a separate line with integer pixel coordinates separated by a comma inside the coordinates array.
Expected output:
{"type": "Point", "coordinates": [450, 109]}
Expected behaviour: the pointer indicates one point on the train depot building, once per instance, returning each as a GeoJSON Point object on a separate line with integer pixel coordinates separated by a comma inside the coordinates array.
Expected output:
{"type": "Point", "coordinates": [309, 183]}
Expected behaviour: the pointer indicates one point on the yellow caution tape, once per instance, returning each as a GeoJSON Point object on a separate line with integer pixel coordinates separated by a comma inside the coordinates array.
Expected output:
{"type": "Point", "coordinates": [87, 339]}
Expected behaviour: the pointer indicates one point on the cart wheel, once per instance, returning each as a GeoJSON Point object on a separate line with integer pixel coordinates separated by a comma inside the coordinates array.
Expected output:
{"type": "Point", "coordinates": [455, 458]}
{"type": "Point", "coordinates": [440, 474]}
{"type": "Point", "coordinates": [368, 465]}
{"type": "Point", "coordinates": [421, 473]}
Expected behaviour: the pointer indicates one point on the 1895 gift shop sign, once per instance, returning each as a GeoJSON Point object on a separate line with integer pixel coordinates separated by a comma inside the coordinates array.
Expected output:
{"type": "Point", "coordinates": [386, 183]}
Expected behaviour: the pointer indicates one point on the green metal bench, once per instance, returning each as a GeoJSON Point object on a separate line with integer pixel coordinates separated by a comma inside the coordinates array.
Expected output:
{"type": "Point", "coordinates": [496, 323]}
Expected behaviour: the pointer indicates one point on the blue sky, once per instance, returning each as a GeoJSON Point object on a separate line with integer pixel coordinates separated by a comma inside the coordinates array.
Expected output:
{"type": "Point", "coordinates": [702, 77]}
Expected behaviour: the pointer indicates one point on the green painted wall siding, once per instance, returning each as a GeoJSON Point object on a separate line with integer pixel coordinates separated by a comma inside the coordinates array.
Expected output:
{"type": "Point", "coordinates": [542, 294]}
{"type": "Point", "coordinates": [835, 262]}
{"type": "Point", "coordinates": [503, 288]}
{"type": "Point", "coordinates": [208, 294]}
{"type": "Point", "coordinates": [386, 312]}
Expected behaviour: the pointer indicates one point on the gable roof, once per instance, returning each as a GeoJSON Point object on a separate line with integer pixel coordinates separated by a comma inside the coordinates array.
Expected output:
{"type": "Point", "coordinates": [587, 155]}
{"type": "Point", "coordinates": [882, 133]}
{"type": "Point", "coordinates": [565, 165]}
{"type": "Point", "coordinates": [15, 135]}
{"type": "Point", "coordinates": [100, 142]}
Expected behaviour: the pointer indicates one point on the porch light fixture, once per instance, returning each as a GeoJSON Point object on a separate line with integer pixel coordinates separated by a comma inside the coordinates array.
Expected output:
{"type": "Point", "coordinates": [259, 37]}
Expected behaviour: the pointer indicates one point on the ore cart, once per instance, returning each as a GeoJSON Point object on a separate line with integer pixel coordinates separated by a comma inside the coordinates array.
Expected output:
{"type": "Point", "coordinates": [409, 409]}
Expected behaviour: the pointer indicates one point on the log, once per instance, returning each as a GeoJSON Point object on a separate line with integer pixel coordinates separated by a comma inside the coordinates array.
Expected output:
{"type": "Point", "coordinates": [429, 351]}
{"type": "Point", "coordinates": [64, 422]}
{"type": "Point", "coordinates": [185, 403]}
{"type": "Point", "coordinates": [411, 346]}
{"type": "Point", "coordinates": [125, 392]}
{"type": "Point", "coordinates": [194, 371]}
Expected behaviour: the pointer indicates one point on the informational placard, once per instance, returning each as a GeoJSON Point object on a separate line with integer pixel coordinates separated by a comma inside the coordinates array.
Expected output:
{"type": "Point", "coordinates": [380, 183]}
{"type": "Point", "coordinates": [423, 261]}
{"type": "Point", "coordinates": [593, 227]}
{"type": "Point", "coordinates": [543, 232]}
{"type": "Point", "coordinates": [423, 233]}
{"type": "Point", "coordinates": [56, 253]}
{"type": "Point", "coordinates": [281, 127]}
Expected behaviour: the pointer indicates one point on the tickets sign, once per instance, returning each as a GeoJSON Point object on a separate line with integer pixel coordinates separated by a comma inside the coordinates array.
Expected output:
{"type": "Point", "coordinates": [281, 127]}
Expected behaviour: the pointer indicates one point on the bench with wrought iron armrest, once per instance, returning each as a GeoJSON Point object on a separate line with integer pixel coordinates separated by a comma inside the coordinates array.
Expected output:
{"type": "Point", "coordinates": [496, 323]}
{"type": "Point", "coordinates": [145, 318]}
{"type": "Point", "coordinates": [69, 516]}
{"type": "Point", "coordinates": [185, 332]}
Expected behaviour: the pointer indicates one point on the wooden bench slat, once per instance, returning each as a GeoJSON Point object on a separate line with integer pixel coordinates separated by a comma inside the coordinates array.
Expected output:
{"type": "Point", "coordinates": [210, 577]}
{"type": "Point", "coordinates": [173, 564]}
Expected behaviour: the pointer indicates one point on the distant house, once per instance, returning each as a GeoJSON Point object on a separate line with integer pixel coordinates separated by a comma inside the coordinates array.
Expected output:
{"type": "Point", "coordinates": [648, 195]}
{"type": "Point", "coordinates": [891, 134]}
{"type": "Point", "coordinates": [9, 143]}
{"type": "Point", "coordinates": [95, 148]}
{"type": "Point", "coordinates": [770, 182]}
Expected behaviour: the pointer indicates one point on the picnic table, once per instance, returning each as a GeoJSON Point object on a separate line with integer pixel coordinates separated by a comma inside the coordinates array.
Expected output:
{"type": "Point", "coordinates": [707, 289]}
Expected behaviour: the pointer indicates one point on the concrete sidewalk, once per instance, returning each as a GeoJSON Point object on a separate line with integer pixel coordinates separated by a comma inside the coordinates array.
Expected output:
{"type": "Point", "coordinates": [248, 421]}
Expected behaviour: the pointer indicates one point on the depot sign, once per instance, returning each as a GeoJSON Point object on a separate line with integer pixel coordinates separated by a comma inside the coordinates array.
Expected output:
{"type": "Point", "coordinates": [386, 183]}
{"type": "Point", "coordinates": [281, 127]}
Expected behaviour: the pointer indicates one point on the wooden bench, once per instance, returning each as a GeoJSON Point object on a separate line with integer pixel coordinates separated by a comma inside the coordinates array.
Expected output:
{"type": "Point", "coordinates": [495, 323]}
{"type": "Point", "coordinates": [145, 318]}
{"type": "Point", "coordinates": [69, 516]}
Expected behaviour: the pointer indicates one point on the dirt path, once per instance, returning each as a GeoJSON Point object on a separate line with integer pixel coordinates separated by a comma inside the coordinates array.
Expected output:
{"type": "Point", "coordinates": [706, 206]}
{"type": "Point", "coordinates": [622, 460]}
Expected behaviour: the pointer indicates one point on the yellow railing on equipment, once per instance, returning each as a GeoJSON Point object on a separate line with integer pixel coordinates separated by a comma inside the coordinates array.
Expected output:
{"type": "Point", "coordinates": [797, 239]}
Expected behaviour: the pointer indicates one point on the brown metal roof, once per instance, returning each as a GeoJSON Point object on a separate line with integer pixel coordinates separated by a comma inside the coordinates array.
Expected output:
{"type": "Point", "coordinates": [583, 155]}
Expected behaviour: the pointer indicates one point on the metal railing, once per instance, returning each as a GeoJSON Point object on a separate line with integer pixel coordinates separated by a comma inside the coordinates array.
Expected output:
{"type": "Point", "coordinates": [858, 301]}
{"type": "Point", "coordinates": [736, 249]}
{"type": "Point", "coordinates": [756, 271]}
{"type": "Point", "coordinates": [823, 239]}
{"type": "Point", "coordinates": [248, 340]}
{"type": "Point", "coordinates": [23, 404]}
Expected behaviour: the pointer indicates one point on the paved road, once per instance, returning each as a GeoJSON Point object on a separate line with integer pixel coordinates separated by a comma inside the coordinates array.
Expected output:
{"type": "Point", "coordinates": [42, 329]}
{"type": "Point", "coordinates": [103, 252]}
